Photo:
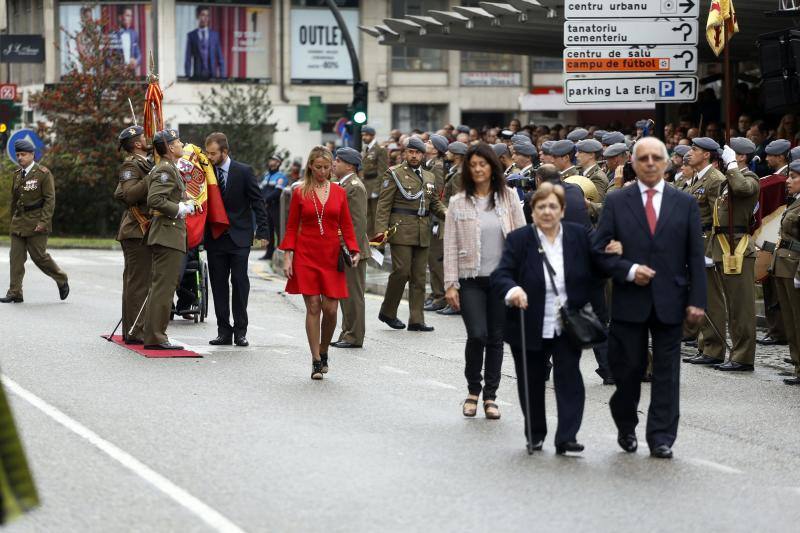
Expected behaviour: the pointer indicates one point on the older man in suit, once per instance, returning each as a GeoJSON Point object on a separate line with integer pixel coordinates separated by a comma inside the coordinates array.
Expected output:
{"type": "Point", "coordinates": [204, 58]}
{"type": "Point", "coordinates": [659, 281]}
{"type": "Point", "coordinates": [228, 254]}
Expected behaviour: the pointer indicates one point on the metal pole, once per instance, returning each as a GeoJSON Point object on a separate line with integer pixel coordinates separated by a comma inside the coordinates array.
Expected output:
{"type": "Point", "coordinates": [661, 121]}
{"type": "Point", "coordinates": [348, 41]}
{"type": "Point", "coordinates": [727, 74]}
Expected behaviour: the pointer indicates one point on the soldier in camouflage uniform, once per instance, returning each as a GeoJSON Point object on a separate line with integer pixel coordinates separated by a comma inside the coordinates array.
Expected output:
{"type": "Point", "coordinates": [33, 201]}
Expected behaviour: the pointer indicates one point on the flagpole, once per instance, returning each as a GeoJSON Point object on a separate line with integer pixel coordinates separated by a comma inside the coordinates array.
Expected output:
{"type": "Point", "coordinates": [728, 80]}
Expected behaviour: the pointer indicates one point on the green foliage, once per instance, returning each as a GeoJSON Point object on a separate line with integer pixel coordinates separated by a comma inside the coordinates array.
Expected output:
{"type": "Point", "coordinates": [85, 113]}
{"type": "Point", "coordinates": [244, 114]}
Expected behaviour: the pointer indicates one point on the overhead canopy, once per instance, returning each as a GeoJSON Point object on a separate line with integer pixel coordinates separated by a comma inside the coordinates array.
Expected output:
{"type": "Point", "coordinates": [535, 28]}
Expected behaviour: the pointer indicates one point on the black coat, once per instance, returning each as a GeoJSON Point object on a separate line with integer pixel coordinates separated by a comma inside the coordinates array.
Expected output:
{"type": "Point", "coordinates": [242, 199]}
{"type": "Point", "coordinates": [522, 266]}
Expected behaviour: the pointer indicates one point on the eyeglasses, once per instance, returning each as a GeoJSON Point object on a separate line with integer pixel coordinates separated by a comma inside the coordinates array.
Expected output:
{"type": "Point", "coordinates": [650, 157]}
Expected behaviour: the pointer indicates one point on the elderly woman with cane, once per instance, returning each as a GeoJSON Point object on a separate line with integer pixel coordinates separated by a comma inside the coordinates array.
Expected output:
{"type": "Point", "coordinates": [551, 262]}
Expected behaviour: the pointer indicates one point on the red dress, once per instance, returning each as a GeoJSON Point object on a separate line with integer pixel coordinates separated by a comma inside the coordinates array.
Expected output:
{"type": "Point", "coordinates": [316, 256]}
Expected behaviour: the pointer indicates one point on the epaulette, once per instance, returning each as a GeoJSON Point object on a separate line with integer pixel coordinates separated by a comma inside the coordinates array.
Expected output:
{"type": "Point", "coordinates": [44, 168]}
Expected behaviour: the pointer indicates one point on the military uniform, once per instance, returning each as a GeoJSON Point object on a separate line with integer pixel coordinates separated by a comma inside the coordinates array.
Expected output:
{"type": "Point", "coordinates": [353, 307]}
{"type": "Point", "coordinates": [33, 201]}
{"type": "Point", "coordinates": [706, 189]}
{"type": "Point", "coordinates": [599, 179]}
{"type": "Point", "coordinates": [132, 191]}
{"type": "Point", "coordinates": [736, 200]}
{"type": "Point", "coordinates": [374, 164]}
{"type": "Point", "coordinates": [436, 249]}
{"type": "Point", "coordinates": [786, 272]}
{"type": "Point", "coordinates": [407, 199]}
{"type": "Point", "coordinates": [772, 308]}
{"type": "Point", "coordinates": [167, 241]}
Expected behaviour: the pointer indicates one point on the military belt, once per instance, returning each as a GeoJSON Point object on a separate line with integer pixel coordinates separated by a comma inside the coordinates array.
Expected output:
{"type": "Point", "coordinates": [722, 230]}
{"type": "Point", "coordinates": [33, 207]}
{"type": "Point", "coordinates": [768, 246]}
{"type": "Point", "coordinates": [414, 212]}
{"type": "Point", "coordinates": [791, 245]}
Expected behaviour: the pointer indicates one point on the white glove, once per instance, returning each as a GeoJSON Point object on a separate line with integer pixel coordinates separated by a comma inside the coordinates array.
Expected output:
{"type": "Point", "coordinates": [184, 209]}
{"type": "Point", "coordinates": [796, 283]}
{"type": "Point", "coordinates": [728, 155]}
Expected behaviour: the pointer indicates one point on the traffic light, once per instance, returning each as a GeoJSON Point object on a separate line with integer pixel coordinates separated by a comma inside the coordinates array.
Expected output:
{"type": "Point", "coordinates": [358, 109]}
{"type": "Point", "coordinates": [10, 113]}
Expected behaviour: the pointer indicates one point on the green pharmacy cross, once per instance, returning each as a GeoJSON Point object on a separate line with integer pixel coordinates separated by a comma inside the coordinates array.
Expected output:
{"type": "Point", "coordinates": [314, 113]}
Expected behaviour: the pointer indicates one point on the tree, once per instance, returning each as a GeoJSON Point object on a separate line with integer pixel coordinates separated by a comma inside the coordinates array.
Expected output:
{"type": "Point", "coordinates": [244, 114]}
{"type": "Point", "coordinates": [85, 112]}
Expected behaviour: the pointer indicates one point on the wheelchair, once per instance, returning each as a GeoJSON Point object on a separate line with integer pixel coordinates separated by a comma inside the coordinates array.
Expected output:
{"type": "Point", "coordinates": [193, 289]}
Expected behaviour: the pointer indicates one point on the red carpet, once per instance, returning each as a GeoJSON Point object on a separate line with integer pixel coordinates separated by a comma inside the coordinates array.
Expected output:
{"type": "Point", "coordinates": [154, 354]}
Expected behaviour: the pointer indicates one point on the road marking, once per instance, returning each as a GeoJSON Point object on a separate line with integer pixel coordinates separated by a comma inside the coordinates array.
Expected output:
{"type": "Point", "coordinates": [440, 384]}
{"type": "Point", "coordinates": [501, 402]}
{"type": "Point", "coordinates": [393, 369]}
{"type": "Point", "coordinates": [189, 347]}
{"type": "Point", "coordinates": [179, 495]}
{"type": "Point", "coordinates": [715, 466]}
{"type": "Point", "coordinates": [257, 328]}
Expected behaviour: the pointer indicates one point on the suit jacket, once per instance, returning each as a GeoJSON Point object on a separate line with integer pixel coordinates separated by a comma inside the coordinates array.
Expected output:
{"type": "Point", "coordinates": [575, 210]}
{"type": "Point", "coordinates": [242, 199]}
{"type": "Point", "coordinates": [522, 266]}
{"type": "Point", "coordinates": [33, 201]}
{"type": "Point", "coordinates": [675, 253]}
{"type": "Point", "coordinates": [193, 65]}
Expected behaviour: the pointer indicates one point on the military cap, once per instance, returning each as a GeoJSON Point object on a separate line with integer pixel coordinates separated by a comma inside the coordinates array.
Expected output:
{"type": "Point", "coordinates": [778, 147]}
{"type": "Point", "coordinates": [563, 147]}
{"type": "Point", "coordinates": [506, 134]}
{"type": "Point", "coordinates": [682, 149]}
{"type": "Point", "coordinates": [129, 132]}
{"type": "Point", "coordinates": [794, 153]}
{"type": "Point", "coordinates": [277, 157]}
{"type": "Point", "coordinates": [589, 146]}
{"type": "Point", "coordinates": [457, 148]}
{"type": "Point", "coordinates": [165, 136]}
{"type": "Point", "coordinates": [369, 130]}
{"type": "Point", "coordinates": [24, 145]}
{"type": "Point", "coordinates": [613, 137]}
{"type": "Point", "coordinates": [521, 138]}
{"type": "Point", "coordinates": [706, 143]}
{"type": "Point", "coordinates": [743, 146]}
{"type": "Point", "coordinates": [615, 150]}
{"type": "Point", "coordinates": [415, 143]}
{"type": "Point", "coordinates": [349, 155]}
{"type": "Point", "coordinates": [578, 134]}
{"type": "Point", "coordinates": [439, 142]}
{"type": "Point", "coordinates": [641, 124]}
{"type": "Point", "coordinates": [547, 146]}
{"type": "Point", "coordinates": [500, 149]}
{"type": "Point", "coordinates": [462, 129]}
{"type": "Point", "coordinates": [687, 160]}
{"type": "Point", "coordinates": [794, 166]}
{"type": "Point", "coordinates": [525, 149]}
{"type": "Point", "coordinates": [598, 134]}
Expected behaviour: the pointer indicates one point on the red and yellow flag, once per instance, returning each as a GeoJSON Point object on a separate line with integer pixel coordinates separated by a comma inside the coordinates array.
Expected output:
{"type": "Point", "coordinates": [202, 187]}
{"type": "Point", "coordinates": [721, 15]}
{"type": "Point", "coordinates": [153, 113]}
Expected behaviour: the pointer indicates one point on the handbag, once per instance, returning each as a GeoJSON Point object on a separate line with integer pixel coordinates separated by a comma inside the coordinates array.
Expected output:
{"type": "Point", "coordinates": [345, 259]}
{"type": "Point", "coordinates": [581, 326]}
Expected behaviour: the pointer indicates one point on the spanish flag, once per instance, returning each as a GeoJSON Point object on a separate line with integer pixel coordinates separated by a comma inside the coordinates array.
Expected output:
{"type": "Point", "coordinates": [721, 15]}
{"type": "Point", "coordinates": [202, 187]}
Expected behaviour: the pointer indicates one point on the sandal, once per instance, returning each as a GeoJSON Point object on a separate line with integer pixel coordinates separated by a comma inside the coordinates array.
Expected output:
{"type": "Point", "coordinates": [495, 414]}
{"type": "Point", "coordinates": [324, 360]}
{"type": "Point", "coordinates": [470, 411]}
{"type": "Point", "coordinates": [316, 369]}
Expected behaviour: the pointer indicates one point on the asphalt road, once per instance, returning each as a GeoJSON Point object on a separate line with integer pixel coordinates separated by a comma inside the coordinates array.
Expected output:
{"type": "Point", "coordinates": [243, 440]}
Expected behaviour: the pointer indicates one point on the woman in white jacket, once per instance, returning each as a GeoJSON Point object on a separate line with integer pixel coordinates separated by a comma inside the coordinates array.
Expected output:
{"type": "Point", "coordinates": [478, 220]}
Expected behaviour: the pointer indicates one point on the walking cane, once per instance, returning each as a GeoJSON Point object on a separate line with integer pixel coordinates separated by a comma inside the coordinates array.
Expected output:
{"type": "Point", "coordinates": [140, 312]}
{"type": "Point", "coordinates": [525, 380]}
{"type": "Point", "coordinates": [109, 338]}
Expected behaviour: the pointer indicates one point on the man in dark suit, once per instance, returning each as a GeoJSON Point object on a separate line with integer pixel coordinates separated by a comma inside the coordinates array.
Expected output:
{"type": "Point", "coordinates": [228, 255]}
{"type": "Point", "coordinates": [659, 281]}
{"type": "Point", "coordinates": [576, 204]}
{"type": "Point", "coordinates": [203, 59]}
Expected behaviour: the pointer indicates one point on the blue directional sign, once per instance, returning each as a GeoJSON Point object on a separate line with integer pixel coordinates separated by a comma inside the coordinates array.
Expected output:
{"type": "Point", "coordinates": [24, 134]}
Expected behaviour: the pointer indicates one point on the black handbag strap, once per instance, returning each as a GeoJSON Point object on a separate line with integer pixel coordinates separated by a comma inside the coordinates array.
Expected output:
{"type": "Point", "coordinates": [551, 272]}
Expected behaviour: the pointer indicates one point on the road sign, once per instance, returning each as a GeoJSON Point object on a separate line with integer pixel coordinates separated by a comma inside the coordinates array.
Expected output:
{"type": "Point", "coordinates": [642, 89]}
{"type": "Point", "coordinates": [8, 91]}
{"type": "Point", "coordinates": [24, 134]}
{"type": "Point", "coordinates": [630, 32]}
{"type": "Point", "coordinates": [619, 59]}
{"type": "Point", "coordinates": [615, 9]}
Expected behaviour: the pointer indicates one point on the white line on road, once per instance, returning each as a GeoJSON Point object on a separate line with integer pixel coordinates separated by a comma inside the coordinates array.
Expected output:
{"type": "Point", "coordinates": [715, 466]}
{"type": "Point", "coordinates": [180, 496]}
{"type": "Point", "coordinates": [393, 369]}
{"type": "Point", "coordinates": [440, 384]}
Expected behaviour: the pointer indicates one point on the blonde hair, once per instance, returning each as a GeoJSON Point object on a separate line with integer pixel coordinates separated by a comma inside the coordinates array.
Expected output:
{"type": "Point", "coordinates": [544, 190]}
{"type": "Point", "coordinates": [308, 178]}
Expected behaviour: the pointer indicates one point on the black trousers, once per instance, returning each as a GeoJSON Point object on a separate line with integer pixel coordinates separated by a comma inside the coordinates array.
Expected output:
{"type": "Point", "coordinates": [227, 268]}
{"type": "Point", "coordinates": [570, 393]}
{"type": "Point", "coordinates": [484, 313]}
{"type": "Point", "coordinates": [628, 358]}
{"type": "Point", "coordinates": [600, 307]}
{"type": "Point", "coordinates": [273, 226]}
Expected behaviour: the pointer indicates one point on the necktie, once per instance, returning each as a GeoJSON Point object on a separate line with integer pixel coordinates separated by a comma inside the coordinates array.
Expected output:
{"type": "Point", "coordinates": [23, 173]}
{"type": "Point", "coordinates": [222, 180]}
{"type": "Point", "coordinates": [650, 211]}
{"type": "Point", "coordinates": [418, 172]}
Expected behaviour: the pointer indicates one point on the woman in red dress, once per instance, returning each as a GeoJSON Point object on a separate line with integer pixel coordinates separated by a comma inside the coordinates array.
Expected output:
{"type": "Point", "coordinates": [317, 215]}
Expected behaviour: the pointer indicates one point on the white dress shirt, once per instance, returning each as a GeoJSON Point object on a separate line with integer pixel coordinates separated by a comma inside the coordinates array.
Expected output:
{"type": "Point", "coordinates": [29, 168]}
{"type": "Point", "coordinates": [552, 303]}
{"type": "Point", "coordinates": [657, 197]}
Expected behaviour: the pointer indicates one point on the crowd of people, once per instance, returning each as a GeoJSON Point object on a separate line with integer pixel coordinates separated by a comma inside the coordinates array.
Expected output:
{"type": "Point", "coordinates": [551, 239]}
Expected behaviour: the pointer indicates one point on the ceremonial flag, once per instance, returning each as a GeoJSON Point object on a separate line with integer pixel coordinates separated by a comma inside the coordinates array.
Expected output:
{"type": "Point", "coordinates": [201, 185]}
{"type": "Point", "coordinates": [153, 113]}
{"type": "Point", "coordinates": [720, 16]}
